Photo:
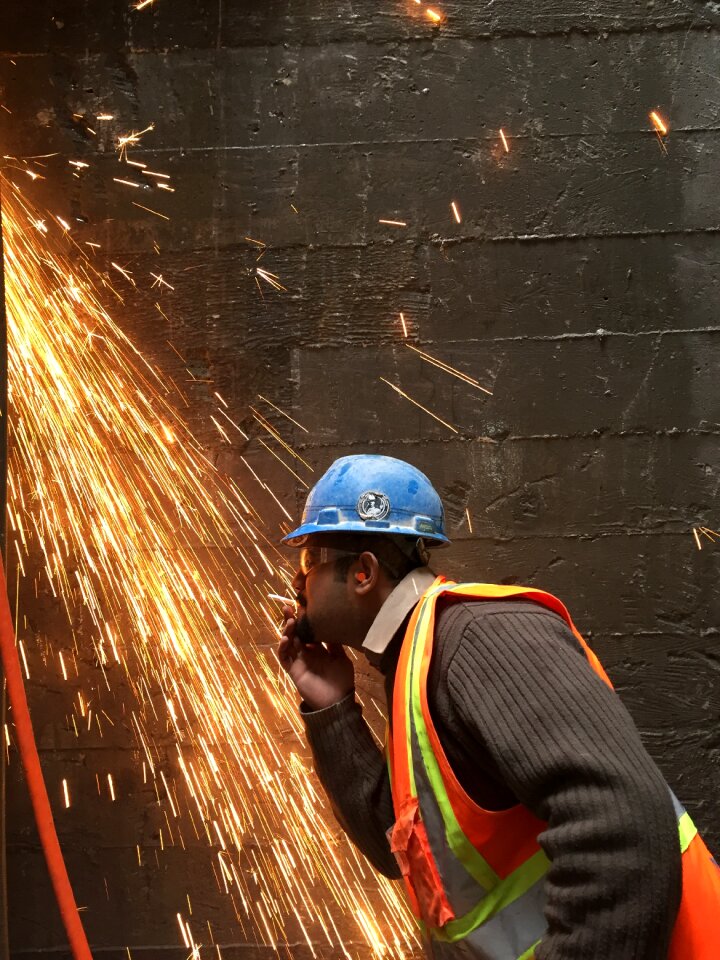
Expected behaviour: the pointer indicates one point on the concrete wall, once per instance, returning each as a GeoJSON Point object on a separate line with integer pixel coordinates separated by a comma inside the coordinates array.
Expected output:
{"type": "Point", "coordinates": [581, 286]}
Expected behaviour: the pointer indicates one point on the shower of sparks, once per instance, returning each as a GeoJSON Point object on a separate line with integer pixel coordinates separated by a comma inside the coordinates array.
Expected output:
{"type": "Point", "coordinates": [446, 368]}
{"type": "Point", "coordinates": [115, 509]}
{"type": "Point", "coordinates": [420, 406]}
{"type": "Point", "coordinates": [404, 325]}
{"type": "Point", "coordinates": [658, 122]}
{"type": "Point", "coordinates": [504, 140]}
{"type": "Point", "coordinates": [393, 223]}
{"type": "Point", "coordinates": [456, 212]}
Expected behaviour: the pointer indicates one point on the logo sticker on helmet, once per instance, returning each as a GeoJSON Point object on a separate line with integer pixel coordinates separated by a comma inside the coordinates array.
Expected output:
{"type": "Point", "coordinates": [373, 506]}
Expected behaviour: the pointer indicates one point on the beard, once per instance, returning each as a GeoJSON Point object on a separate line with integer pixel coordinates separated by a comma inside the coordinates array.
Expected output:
{"type": "Point", "coordinates": [304, 631]}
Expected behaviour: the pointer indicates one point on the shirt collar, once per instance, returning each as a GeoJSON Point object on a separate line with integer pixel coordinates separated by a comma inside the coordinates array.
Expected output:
{"type": "Point", "coordinates": [393, 612]}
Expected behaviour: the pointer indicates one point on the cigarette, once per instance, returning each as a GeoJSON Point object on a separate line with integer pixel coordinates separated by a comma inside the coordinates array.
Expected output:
{"type": "Point", "coordinates": [276, 596]}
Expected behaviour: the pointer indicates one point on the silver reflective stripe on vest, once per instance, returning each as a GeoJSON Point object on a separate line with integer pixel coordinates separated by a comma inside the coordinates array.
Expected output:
{"type": "Point", "coordinates": [462, 890]}
{"type": "Point", "coordinates": [507, 936]}
{"type": "Point", "coordinates": [677, 806]}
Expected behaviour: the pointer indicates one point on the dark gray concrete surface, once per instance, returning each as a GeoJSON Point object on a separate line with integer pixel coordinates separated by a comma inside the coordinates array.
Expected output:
{"type": "Point", "coordinates": [581, 286]}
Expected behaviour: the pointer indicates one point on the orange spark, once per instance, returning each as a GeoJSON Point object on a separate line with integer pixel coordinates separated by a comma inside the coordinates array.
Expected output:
{"type": "Point", "coordinates": [130, 139]}
{"type": "Point", "coordinates": [150, 210]}
{"type": "Point", "coordinates": [394, 223]}
{"type": "Point", "coordinates": [657, 121]}
{"type": "Point", "coordinates": [282, 412]}
{"type": "Point", "coordinates": [504, 140]}
{"type": "Point", "coordinates": [160, 281]}
{"type": "Point", "coordinates": [404, 325]}
{"type": "Point", "coordinates": [433, 15]}
{"type": "Point", "coordinates": [446, 368]}
{"type": "Point", "coordinates": [420, 406]}
{"type": "Point", "coordinates": [456, 212]}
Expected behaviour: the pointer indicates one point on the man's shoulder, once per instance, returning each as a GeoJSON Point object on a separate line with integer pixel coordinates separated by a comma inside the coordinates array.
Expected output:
{"type": "Point", "coordinates": [456, 616]}
{"type": "Point", "coordinates": [511, 606]}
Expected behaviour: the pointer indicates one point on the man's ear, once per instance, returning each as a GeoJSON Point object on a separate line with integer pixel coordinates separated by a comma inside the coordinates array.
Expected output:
{"type": "Point", "coordinates": [367, 575]}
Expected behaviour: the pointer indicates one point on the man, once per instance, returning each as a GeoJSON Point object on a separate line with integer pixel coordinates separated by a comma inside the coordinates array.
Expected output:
{"type": "Point", "coordinates": [520, 807]}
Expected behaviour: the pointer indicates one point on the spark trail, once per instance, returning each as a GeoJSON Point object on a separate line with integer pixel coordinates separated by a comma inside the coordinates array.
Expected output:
{"type": "Point", "coordinates": [134, 524]}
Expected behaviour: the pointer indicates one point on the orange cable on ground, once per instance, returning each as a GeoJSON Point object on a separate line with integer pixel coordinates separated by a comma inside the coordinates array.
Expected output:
{"type": "Point", "coordinates": [36, 784]}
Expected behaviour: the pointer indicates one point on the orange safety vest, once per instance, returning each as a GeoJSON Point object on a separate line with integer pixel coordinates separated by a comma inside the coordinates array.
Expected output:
{"type": "Point", "coordinates": [476, 878]}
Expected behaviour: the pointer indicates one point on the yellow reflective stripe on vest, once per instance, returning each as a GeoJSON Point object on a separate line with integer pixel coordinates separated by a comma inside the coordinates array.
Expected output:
{"type": "Point", "coordinates": [529, 954]}
{"type": "Point", "coordinates": [408, 684]}
{"type": "Point", "coordinates": [476, 865]}
{"type": "Point", "coordinates": [687, 830]}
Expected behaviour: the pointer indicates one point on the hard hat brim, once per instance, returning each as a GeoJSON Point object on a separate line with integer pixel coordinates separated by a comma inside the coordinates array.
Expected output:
{"type": "Point", "coordinates": [298, 536]}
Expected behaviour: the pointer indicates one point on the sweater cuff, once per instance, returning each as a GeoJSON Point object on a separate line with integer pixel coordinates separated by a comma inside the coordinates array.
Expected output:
{"type": "Point", "coordinates": [319, 721]}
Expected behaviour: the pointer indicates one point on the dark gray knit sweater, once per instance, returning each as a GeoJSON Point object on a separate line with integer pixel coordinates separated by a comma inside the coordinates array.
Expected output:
{"type": "Point", "coordinates": [523, 718]}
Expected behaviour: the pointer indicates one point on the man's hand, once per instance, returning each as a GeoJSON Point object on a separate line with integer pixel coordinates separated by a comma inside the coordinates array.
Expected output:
{"type": "Point", "coordinates": [323, 676]}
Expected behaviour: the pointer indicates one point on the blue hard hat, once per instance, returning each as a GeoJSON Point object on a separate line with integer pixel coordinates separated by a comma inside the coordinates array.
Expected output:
{"type": "Point", "coordinates": [368, 493]}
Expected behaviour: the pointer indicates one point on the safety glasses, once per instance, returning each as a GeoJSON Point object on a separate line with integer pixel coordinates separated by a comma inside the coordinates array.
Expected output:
{"type": "Point", "coordinates": [311, 557]}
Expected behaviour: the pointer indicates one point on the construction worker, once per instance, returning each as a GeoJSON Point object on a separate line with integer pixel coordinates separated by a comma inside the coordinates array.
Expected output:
{"type": "Point", "coordinates": [515, 797]}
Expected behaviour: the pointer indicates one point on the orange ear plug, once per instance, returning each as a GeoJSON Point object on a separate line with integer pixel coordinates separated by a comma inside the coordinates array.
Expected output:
{"type": "Point", "coordinates": [361, 577]}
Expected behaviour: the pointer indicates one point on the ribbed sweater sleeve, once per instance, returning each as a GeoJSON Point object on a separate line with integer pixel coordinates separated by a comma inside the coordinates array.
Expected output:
{"type": "Point", "coordinates": [353, 772]}
{"type": "Point", "coordinates": [517, 686]}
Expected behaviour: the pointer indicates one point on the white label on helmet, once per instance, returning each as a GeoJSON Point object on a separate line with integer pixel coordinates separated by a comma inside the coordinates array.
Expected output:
{"type": "Point", "coordinates": [373, 506]}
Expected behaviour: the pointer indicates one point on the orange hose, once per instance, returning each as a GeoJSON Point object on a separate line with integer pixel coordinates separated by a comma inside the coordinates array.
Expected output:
{"type": "Point", "coordinates": [36, 784]}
